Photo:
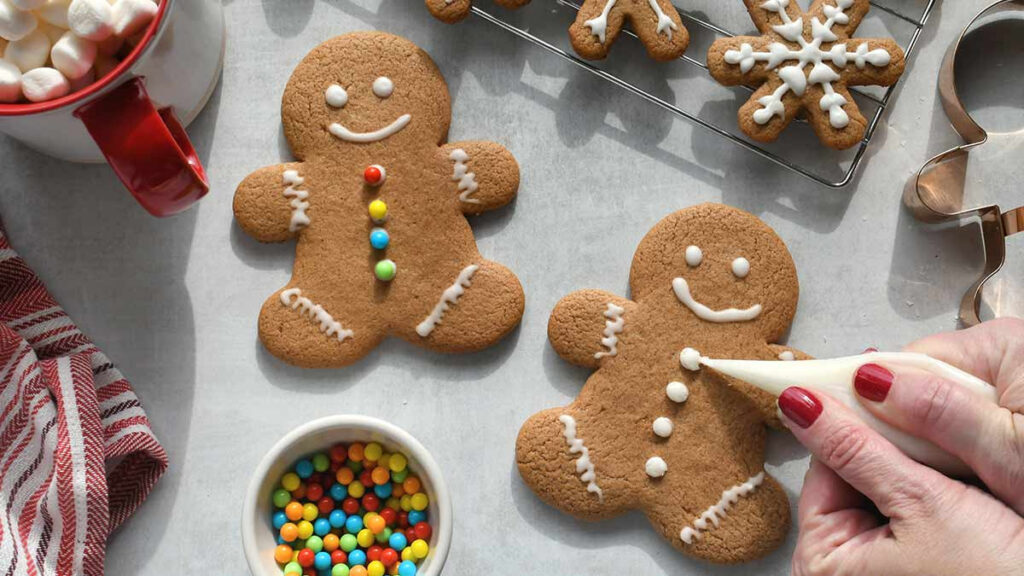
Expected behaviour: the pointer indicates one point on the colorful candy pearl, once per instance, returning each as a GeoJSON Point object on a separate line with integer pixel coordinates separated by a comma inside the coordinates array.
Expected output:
{"type": "Point", "coordinates": [353, 511]}
{"type": "Point", "coordinates": [385, 271]}
{"type": "Point", "coordinates": [374, 175]}
{"type": "Point", "coordinates": [378, 213]}
{"type": "Point", "coordinates": [379, 238]}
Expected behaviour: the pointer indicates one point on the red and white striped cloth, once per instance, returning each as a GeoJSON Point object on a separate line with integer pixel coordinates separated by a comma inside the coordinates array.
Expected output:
{"type": "Point", "coordinates": [77, 455]}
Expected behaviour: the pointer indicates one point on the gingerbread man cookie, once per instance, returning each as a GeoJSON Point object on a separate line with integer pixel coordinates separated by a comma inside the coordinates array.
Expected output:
{"type": "Point", "coordinates": [804, 62]}
{"type": "Point", "coordinates": [656, 23]}
{"type": "Point", "coordinates": [650, 429]}
{"type": "Point", "coordinates": [452, 11]}
{"type": "Point", "coordinates": [377, 202]}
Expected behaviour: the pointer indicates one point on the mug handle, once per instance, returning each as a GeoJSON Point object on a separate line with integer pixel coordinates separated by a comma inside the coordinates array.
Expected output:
{"type": "Point", "coordinates": [147, 148]}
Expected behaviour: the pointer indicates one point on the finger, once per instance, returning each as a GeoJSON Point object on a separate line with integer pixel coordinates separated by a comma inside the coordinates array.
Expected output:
{"type": "Point", "coordinates": [869, 463]}
{"type": "Point", "coordinates": [991, 351]}
{"type": "Point", "coordinates": [824, 492]}
{"type": "Point", "coordinates": [981, 434]}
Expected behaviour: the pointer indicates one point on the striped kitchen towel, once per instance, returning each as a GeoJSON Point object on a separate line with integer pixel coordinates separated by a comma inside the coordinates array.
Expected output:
{"type": "Point", "coordinates": [77, 455]}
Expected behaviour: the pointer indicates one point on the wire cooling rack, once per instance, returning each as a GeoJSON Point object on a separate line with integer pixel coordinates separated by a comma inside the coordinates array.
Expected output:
{"type": "Point", "coordinates": [845, 165]}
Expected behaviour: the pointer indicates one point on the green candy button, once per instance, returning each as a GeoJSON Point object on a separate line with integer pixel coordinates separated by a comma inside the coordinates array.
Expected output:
{"type": "Point", "coordinates": [385, 270]}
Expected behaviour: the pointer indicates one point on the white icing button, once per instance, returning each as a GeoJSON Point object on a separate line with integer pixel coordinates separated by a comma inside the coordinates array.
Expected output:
{"type": "Point", "coordinates": [663, 427]}
{"type": "Point", "coordinates": [786, 355]}
{"type": "Point", "coordinates": [383, 87]}
{"type": "Point", "coordinates": [336, 96]}
{"type": "Point", "coordinates": [694, 256]}
{"type": "Point", "coordinates": [655, 467]}
{"type": "Point", "coordinates": [690, 359]}
{"type": "Point", "coordinates": [677, 392]}
{"type": "Point", "coordinates": [740, 267]}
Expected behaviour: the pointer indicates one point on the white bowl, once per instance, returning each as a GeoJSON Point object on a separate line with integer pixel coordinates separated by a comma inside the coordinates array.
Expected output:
{"type": "Point", "coordinates": [258, 536]}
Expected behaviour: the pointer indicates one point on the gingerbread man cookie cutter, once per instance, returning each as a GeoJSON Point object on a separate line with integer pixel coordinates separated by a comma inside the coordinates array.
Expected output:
{"type": "Point", "coordinates": [935, 193]}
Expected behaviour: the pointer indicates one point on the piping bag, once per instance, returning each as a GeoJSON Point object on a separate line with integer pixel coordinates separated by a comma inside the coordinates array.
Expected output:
{"type": "Point", "coordinates": [835, 378]}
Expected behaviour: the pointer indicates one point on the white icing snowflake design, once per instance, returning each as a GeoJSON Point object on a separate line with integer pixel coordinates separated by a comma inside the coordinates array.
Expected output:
{"type": "Point", "coordinates": [809, 63]}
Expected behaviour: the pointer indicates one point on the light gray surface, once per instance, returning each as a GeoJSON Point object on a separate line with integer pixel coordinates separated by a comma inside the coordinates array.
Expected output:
{"type": "Point", "coordinates": [175, 302]}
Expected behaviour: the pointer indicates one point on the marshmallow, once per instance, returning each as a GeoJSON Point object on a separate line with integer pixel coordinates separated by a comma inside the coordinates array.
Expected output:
{"type": "Point", "coordinates": [83, 81]}
{"type": "Point", "coordinates": [15, 24]}
{"type": "Point", "coordinates": [110, 46]}
{"type": "Point", "coordinates": [55, 12]}
{"type": "Point", "coordinates": [44, 84]}
{"type": "Point", "coordinates": [52, 32]}
{"type": "Point", "coordinates": [10, 82]}
{"type": "Point", "coordinates": [91, 19]}
{"type": "Point", "coordinates": [28, 4]}
{"type": "Point", "coordinates": [131, 16]}
{"type": "Point", "coordinates": [73, 56]}
{"type": "Point", "coordinates": [30, 52]}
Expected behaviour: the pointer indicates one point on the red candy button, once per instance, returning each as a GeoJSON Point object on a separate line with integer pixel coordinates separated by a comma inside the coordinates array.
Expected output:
{"type": "Point", "coordinates": [374, 552]}
{"type": "Point", "coordinates": [306, 557]}
{"type": "Point", "coordinates": [371, 503]}
{"type": "Point", "coordinates": [389, 557]}
{"type": "Point", "coordinates": [375, 175]}
{"type": "Point", "coordinates": [339, 557]}
{"type": "Point", "coordinates": [422, 531]}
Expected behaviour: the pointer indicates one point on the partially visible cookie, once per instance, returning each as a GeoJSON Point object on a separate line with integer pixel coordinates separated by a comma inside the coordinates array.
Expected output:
{"type": "Point", "coordinates": [451, 11]}
{"type": "Point", "coordinates": [804, 63]}
{"type": "Point", "coordinates": [656, 22]}
{"type": "Point", "coordinates": [378, 203]}
{"type": "Point", "coordinates": [650, 429]}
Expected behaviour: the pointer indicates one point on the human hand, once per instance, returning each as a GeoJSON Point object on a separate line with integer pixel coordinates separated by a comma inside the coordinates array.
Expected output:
{"type": "Point", "coordinates": [932, 525]}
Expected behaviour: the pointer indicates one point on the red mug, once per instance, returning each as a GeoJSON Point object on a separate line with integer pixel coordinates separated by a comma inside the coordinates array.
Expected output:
{"type": "Point", "coordinates": [134, 118]}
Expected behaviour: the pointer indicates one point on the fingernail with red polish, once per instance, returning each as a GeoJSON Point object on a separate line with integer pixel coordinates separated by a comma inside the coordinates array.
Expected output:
{"type": "Point", "coordinates": [872, 382]}
{"type": "Point", "coordinates": [869, 350]}
{"type": "Point", "coordinates": [799, 406]}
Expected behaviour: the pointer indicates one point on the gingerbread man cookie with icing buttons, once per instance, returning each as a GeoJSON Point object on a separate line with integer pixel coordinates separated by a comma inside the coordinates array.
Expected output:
{"type": "Point", "coordinates": [652, 430]}
{"type": "Point", "coordinates": [656, 23]}
{"type": "Point", "coordinates": [452, 11]}
{"type": "Point", "coordinates": [378, 202]}
{"type": "Point", "coordinates": [804, 63]}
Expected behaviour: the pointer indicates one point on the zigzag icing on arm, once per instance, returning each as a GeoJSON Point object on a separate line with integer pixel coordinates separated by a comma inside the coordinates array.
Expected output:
{"type": "Point", "coordinates": [599, 26]}
{"type": "Point", "coordinates": [584, 467]}
{"type": "Point", "coordinates": [665, 24]}
{"type": "Point", "coordinates": [462, 175]}
{"type": "Point", "coordinates": [612, 327]}
{"type": "Point", "coordinates": [448, 299]}
{"type": "Point", "coordinates": [298, 198]}
{"type": "Point", "coordinates": [714, 514]}
{"type": "Point", "coordinates": [293, 298]}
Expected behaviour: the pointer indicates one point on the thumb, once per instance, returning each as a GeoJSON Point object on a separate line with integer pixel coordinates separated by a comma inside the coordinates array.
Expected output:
{"type": "Point", "coordinates": [981, 434]}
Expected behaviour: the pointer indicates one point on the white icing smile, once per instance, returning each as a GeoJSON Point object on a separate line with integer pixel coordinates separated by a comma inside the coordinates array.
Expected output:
{"type": "Point", "coordinates": [682, 290]}
{"type": "Point", "coordinates": [342, 133]}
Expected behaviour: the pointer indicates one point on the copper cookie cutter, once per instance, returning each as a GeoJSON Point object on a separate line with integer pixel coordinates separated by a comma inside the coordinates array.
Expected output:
{"type": "Point", "coordinates": [936, 192]}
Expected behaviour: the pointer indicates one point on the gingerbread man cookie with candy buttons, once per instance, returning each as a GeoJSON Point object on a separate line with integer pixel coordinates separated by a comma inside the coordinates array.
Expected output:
{"type": "Point", "coordinates": [656, 23]}
{"type": "Point", "coordinates": [377, 202]}
{"type": "Point", "coordinates": [651, 429]}
{"type": "Point", "coordinates": [804, 63]}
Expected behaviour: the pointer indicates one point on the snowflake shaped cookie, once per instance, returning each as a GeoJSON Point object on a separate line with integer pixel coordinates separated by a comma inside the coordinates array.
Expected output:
{"type": "Point", "coordinates": [804, 62]}
{"type": "Point", "coordinates": [656, 23]}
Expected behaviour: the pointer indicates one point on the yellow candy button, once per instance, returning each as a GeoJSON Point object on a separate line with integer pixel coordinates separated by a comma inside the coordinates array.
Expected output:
{"type": "Point", "coordinates": [378, 210]}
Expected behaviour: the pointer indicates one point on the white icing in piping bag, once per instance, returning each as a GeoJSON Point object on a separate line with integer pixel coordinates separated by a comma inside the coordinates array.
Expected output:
{"type": "Point", "coordinates": [835, 378]}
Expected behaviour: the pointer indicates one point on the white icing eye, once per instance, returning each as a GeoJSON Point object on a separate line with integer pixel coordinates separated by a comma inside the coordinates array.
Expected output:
{"type": "Point", "coordinates": [383, 87]}
{"type": "Point", "coordinates": [336, 96]}
{"type": "Point", "coordinates": [694, 256]}
{"type": "Point", "coordinates": [740, 267]}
